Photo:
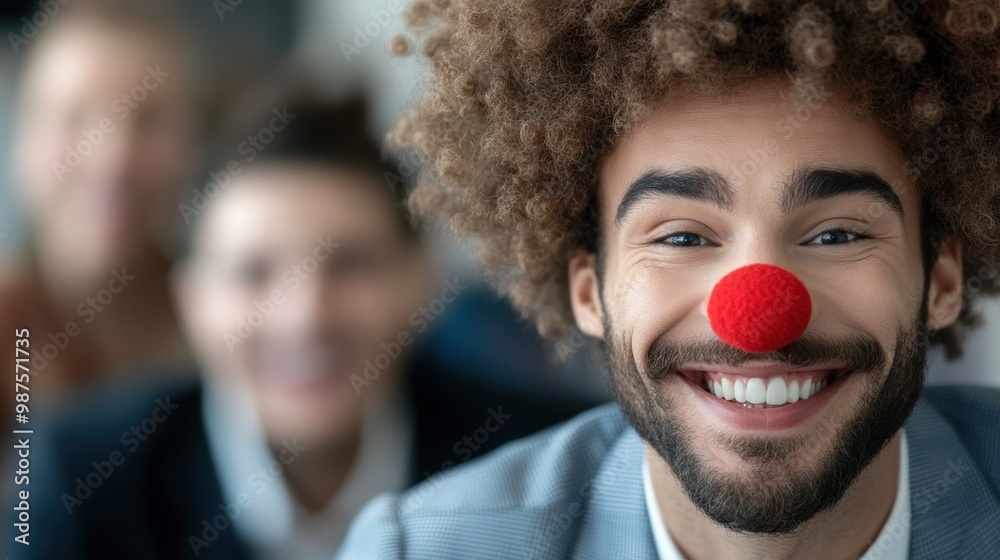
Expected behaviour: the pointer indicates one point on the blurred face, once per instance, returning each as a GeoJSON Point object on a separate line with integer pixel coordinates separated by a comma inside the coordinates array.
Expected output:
{"type": "Point", "coordinates": [706, 186]}
{"type": "Point", "coordinates": [298, 275]}
{"type": "Point", "coordinates": [104, 141]}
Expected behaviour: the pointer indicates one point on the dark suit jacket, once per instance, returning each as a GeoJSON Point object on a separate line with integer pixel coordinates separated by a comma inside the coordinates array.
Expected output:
{"type": "Point", "coordinates": [98, 490]}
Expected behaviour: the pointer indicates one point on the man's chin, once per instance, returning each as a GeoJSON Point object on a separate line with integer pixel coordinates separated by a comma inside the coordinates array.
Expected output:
{"type": "Point", "coordinates": [767, 470]}
{"type": "Point", "coordinates": [752, 470]}
{"type": "Point", "coordinates": [754, 458]}
{"type": "Point", "coordinates": [313, 431]}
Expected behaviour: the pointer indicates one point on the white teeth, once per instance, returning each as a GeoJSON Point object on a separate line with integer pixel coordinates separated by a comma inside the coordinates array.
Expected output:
{"type": "Point", "coordinates": [728, 391]}
{"type": "Point", "coordinates": [756, 391]}
{"type": "Point", "coordinates": [740, 391]}
{"type": "Point", "coordinates": [793, 391]}
{"type": "Point", "coordinates": [777, 392]}
{"type": "Point", "coordinates": [806, 391]}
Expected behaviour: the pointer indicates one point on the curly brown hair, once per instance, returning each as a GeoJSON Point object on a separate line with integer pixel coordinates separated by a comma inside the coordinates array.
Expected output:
{"type": "Point", "coordinates": [523, 98]}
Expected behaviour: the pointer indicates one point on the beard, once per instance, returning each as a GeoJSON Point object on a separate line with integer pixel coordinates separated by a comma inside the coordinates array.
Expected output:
{"type": "Point", "coordinates": [777, 494]}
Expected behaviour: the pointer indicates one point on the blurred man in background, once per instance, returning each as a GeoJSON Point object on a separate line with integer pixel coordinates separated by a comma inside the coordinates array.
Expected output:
{"type": "Point", "coordinates": [303, 292]}
{"type": "Point", "coordinates": [104, 143]}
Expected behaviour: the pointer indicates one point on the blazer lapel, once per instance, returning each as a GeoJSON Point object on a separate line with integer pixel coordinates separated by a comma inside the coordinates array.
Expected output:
{"type": "Point", "coordinates": [616, 523]}
{"type": "Point", "coordinates": [186, 492]}
{"type": "Point", "coordinates": [955, 514]}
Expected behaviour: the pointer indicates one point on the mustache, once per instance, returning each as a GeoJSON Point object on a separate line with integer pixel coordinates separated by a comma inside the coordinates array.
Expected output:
{"type": "Point", "coordinates": [860, 352]}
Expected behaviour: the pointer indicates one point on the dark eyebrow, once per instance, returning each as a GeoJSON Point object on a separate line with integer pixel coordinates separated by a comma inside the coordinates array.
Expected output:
{"type": "Point", "coordinates": [697, 184]}
{"type": "Point", "coordinates": [812, 185]}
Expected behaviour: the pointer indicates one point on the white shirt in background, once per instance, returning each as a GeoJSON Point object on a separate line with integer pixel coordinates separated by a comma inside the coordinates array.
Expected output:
{"type": "Point", "coordinates": [274, 525]}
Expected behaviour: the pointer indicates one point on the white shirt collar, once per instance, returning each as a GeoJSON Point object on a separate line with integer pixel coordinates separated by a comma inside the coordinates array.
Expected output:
{"type": "Point", "coordinates": [272, 522]}
{"type": "Point", "coordinates": [892, 543]}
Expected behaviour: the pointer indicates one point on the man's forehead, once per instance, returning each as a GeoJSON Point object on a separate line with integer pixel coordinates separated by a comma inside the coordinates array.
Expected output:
{"type": "Point", "coordinates": [750, 137]}
{"type": "Point", "coordinates": [297, 205]}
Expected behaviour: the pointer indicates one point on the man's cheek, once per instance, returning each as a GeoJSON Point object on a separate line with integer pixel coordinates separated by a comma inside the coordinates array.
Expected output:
{"type": "Point", "coordinates": [653, 302]}
{"type": "Point", "coordinates": [876, 304]}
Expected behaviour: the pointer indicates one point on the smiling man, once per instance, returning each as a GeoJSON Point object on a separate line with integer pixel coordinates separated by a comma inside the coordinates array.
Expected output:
{"type": "Point", "coordinates": [765, 214]}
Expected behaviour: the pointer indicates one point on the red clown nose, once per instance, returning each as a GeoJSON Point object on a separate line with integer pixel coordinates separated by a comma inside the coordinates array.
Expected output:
{"type": "Point", "coordinates": [759, 308]}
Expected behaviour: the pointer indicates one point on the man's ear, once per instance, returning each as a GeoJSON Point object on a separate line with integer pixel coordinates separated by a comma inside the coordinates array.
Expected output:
{"type": "Point", "coordinates": [584, 294]}
{"type": "Point", "coordinates": [944, 294]}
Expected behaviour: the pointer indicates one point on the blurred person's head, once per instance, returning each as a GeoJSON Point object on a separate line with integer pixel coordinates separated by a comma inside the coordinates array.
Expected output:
{"type": "Point", "coordinates": [105, 133]}
{"type": "Point", "coordinates": [302, 266]}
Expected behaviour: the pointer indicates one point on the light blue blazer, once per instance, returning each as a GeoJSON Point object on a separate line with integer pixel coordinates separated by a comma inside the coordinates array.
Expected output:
{"type": "Point", "coordinates": [575, 491]}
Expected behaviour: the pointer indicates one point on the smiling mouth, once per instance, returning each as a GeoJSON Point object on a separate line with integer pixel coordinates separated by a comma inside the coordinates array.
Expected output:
{"type": "Point", "coordinates": [304, 369]}
{"type": "Point", "coordinates": [765, 391]}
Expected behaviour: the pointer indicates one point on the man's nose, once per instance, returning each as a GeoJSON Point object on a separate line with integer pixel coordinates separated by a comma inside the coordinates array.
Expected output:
{"type": "Point", "coordinates": [307, 308]}
{"type": "Point", "coordinates": [759, 308]}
